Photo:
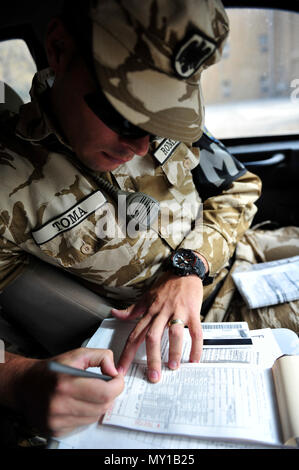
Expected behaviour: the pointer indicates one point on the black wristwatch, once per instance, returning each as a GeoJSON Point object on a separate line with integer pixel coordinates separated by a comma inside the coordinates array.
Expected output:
{"type": "Point", "coordinates": [184, 262]}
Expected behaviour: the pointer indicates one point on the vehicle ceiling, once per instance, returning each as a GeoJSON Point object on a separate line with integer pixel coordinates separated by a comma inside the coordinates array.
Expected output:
{"type": "Point", "coordinates": [28, 19]}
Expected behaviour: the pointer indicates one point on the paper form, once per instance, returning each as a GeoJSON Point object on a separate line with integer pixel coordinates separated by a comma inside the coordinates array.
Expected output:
{"type": "Point", "coordinates": [113, 334]}
{"type": "Point", "coordinates": [270, 283]}
{"type": "Point", "coordinates": [200, 400]}
{"type": "Point", "coordinates": [97, 436]}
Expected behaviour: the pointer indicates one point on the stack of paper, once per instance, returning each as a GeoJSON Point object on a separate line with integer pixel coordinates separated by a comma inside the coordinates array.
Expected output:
{"type": "Point", "coordinates": [234, 398]}
{"type": "Point", "coordinates": [269, 283]}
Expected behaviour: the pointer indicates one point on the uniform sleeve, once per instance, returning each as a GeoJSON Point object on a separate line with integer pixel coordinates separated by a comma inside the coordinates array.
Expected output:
{"type": "Point", "coordinates": [13, 260]}
{"type": "Point", "coordinates": [229, 193]}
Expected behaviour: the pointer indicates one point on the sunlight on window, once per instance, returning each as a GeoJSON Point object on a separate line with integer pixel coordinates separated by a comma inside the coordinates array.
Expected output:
{"type": "Point", "coordinates": [250, 92]}
{"type": "Point", "coordinates": [17, 67]}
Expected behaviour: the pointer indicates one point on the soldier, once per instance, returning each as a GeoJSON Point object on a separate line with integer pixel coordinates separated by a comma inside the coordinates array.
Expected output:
{"type": "Point", "coordinates": [115, 123]}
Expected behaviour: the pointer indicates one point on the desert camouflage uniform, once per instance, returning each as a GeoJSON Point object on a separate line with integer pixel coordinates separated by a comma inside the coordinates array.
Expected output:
{"type": "Point", "coordinates": [258, 246]}
{"type": "Point", "coordinates": [53, 209]}
{"type": "Point", "coordinates": [159, 53]}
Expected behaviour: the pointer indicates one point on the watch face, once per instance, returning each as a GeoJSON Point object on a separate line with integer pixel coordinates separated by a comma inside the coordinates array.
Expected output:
{"type": "Point", "coordinates": [183, 260]}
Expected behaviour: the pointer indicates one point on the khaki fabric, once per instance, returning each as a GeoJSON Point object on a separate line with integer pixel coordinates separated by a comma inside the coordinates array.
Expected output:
{"type": "Point", "coordinates": [149, 55]}
{"type": "Point", "coordinates": [258, 246]}
{"type": "Point", "coordinates": [51, 208]}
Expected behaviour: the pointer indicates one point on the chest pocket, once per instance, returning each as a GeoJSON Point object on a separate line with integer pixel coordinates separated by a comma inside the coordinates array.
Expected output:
{"type": "Point", "coordinates": [71, 236]}
{"type": "Point", "coordinates": [176, 162]}
{"type": "Point", "coordinates": [180, 206]}
{"type": "Point", "coordinates": [86, 240]}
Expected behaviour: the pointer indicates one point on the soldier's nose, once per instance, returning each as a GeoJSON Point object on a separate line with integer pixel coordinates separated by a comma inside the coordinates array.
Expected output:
{"type": "Point", "coordinates": [138, 146]}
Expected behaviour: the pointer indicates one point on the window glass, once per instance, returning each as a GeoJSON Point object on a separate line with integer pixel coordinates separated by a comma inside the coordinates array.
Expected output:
{"type": "Point", "coordinates": [254, 89]}
{"type": "Point", "coordinates": [17, 66]}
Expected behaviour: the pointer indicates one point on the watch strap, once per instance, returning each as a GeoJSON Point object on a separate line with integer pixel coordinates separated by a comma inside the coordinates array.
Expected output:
{"type": "Point", "coordinates": [197, 268]}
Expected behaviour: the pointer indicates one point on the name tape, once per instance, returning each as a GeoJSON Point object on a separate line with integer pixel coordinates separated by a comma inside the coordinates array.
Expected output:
{"type": "Point", "coordinates": [165, 150]}
{"type": "Point", "coordinates": [69, 219]}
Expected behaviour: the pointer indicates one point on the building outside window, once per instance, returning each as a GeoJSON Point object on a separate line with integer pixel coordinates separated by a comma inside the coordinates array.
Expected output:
{"type": "Point", "coordinates": [250, 92]}
{"type": "Point", "coordinates": [263, 43]}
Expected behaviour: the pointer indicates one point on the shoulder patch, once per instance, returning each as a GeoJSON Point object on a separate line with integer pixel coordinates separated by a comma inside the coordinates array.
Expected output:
{"type": "Point", "coordinates": [69, 219]}
{"type": "Point", "coordinates": [217, 168]}
{"type": "Point", "coordinates": [192, 54]}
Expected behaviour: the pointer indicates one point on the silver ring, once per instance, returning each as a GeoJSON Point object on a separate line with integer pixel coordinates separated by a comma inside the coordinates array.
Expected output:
{"type": "Point", "coordinates": [176, 321]}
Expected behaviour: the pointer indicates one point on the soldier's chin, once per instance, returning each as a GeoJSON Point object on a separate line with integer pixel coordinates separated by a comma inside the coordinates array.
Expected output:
{"type": "Point", "coordinates": [101, 161]}
{"type": "Point", "coordinates": [107, 162]}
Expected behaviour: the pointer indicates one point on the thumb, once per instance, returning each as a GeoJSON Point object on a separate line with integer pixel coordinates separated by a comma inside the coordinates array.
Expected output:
{"type": "Point", "coordinates": [90, 357]}
{"type": "Point", "coordinates": [134, 311]}
{"type": "Point", "coordinates": [107, 364]}
{"type": "Point", "coordinates": [123, 314]}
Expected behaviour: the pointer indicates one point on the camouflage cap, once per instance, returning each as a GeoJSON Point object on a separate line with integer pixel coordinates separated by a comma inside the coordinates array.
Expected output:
{"type": "Point", "coordinates": [148, 58]}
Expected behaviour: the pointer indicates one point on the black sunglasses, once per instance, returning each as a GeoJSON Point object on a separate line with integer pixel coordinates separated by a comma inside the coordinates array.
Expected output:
{"type": "Point", "coordinates": [100, 105]}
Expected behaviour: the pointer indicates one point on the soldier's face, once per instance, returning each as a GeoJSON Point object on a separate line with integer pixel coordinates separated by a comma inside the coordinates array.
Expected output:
{"type": "Point", "coordinates": [95, 144]}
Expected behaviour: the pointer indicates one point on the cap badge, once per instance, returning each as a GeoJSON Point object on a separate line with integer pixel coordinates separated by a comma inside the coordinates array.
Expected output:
{"type": "Point", "coordinates": [192, 54]}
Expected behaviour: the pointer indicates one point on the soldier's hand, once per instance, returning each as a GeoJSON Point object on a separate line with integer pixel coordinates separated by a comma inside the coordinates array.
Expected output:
{"type": "Point", "coordinates": [172, 297]}
{"type": "Point", "coordinates": [57, 403]}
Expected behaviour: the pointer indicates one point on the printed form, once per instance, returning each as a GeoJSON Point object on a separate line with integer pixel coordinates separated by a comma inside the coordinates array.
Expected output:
{"type": "Point", "coordinates": [203, 400]}
{"type": "Point", "coordinates": [270, 283]}
{"type": "Point", "coordinates": [200, 400]}
{"type": "Point", "coordinates": [113, 334]}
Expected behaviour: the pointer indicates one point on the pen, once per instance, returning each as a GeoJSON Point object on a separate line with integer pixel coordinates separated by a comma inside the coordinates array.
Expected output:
{"type": "Point", "coordinates": [63, 369]}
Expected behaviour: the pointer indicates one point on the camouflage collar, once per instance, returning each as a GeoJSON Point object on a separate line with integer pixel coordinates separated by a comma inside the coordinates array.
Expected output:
{"type": "Point", "coordinates": [35, 124]}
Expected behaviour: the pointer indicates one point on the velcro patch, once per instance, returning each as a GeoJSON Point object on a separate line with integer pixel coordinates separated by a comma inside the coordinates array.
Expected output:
{"type": "Point", "coordinates": [217, 168]}
{"type": "Point", "coordinates": [192, 54]}
{"type": "Point", "coordinates": [165, 150]}
{"type": "Point", "coordinates": [69, 219]}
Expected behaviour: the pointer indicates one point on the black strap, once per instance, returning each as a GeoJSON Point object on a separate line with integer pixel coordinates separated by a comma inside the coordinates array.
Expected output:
{"type": "Point", "coordinates": [217, 168]}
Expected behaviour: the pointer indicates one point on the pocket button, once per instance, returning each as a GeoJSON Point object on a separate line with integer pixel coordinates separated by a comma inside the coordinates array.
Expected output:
{"type": "Point", "coordinates": [86, 249]}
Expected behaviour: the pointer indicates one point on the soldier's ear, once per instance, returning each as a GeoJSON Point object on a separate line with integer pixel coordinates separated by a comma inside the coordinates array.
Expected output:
{"type": "Point", "coordinates": [60, 46]}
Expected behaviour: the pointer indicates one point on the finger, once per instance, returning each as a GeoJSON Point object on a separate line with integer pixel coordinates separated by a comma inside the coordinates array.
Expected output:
{"type": "Point", "coordinates": [135, 339]}
{"type": "Point", "coordinates": [122, 314]}
{"type": "Point", "coordinates": [137, 336]}
{"type": "Point", "coordinates": [196, 334]}
{"type": "Point", "coordinates": [176, 336]}
{"type": "Point", "coordinates": [153, 347]}
{"type": "Point", "coordinates": [83, 358]}
{"type": "Point", "coordinates": [107, 365]}
{"type": "Point", "coordinates": [134, 311]}
{"type": "Point", "coordinates": [92, 390]}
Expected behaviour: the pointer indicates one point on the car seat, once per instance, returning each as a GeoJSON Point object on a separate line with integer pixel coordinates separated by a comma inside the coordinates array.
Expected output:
{"type": "Point", "coordinates": [12, 101]}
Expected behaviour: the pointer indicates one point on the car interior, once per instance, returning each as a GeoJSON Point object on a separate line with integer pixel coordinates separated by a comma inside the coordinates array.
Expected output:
{"type": "Point", "coordinates": [274, 158]}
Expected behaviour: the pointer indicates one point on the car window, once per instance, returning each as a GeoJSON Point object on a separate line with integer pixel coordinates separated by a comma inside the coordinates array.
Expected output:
{"type": "Point", "coordinates": [254, 89]}
{"type": "Point", "coordinates": [17, 67]}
